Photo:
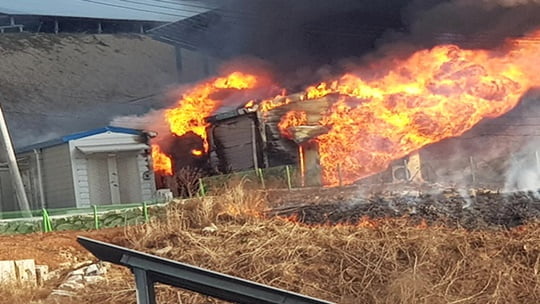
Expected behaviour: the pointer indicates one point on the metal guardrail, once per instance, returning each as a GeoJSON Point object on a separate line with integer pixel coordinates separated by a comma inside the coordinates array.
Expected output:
{"type": "Point", "coordinates": [150, 269]}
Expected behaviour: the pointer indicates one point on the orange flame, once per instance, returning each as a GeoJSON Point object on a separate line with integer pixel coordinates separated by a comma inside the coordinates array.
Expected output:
{"type": "Point", "coordinates": [367, 222]}
{"type": "Point", "coordinates": [196, 152]}
{"type": "Point", "coordinates": [432, 95]}
{"type": "Point", "coordinates": [292, 119]}
{"type": "Point", "coordinates": [162, 163]}
{"type": "Point", "coordinates": [198, 103]}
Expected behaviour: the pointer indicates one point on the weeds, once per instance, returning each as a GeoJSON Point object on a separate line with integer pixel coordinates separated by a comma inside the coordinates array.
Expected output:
{"type": "Point", "coordinates": [392, 262]}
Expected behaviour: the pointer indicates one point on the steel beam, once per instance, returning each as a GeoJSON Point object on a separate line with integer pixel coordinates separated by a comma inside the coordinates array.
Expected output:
{"type": "Point", "coordinates": [145, 287]}
{"type": "Point", "coordinates": [149, 269]}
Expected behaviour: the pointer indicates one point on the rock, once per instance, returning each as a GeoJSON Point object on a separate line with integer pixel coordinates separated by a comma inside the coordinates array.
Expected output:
{"type": "Point", "coordinates": [95, 270]}
{"type": "Point", "coordinates": [210, 229]}
{"type": "Point", "coordinates": [73, 282]}
{"type": "Point", "coordinates": [163, 251]}
{"type": "Point", "coordinates": [61, 293]}
{"type": "Point", "coordinates": [94, 279]}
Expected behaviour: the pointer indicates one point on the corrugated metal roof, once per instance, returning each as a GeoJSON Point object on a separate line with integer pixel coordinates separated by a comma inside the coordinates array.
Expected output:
{"type": "Point", "coordinates": [70, 137]}
{"type": "Point", "coordinates": [140, 10]}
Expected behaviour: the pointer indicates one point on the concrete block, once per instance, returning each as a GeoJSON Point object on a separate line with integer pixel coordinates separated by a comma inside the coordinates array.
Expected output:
{"type": "Point", "coordinates": [7, 272]}
{"type": "Point", "coordinates": [26, 271]}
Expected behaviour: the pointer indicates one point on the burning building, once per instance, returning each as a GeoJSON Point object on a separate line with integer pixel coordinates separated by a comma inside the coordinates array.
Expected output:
{"type": "Point", "coordinates": [359, 124]}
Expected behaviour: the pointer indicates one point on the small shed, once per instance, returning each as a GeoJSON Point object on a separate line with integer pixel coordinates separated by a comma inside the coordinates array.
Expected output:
{"type": "Point", "coordinates": [236, 141]}
{"type": "Point", "coordinates": [104, 166]}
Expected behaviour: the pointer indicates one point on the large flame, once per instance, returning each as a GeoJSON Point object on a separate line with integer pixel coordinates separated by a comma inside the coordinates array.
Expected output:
{"type": "Point", "coordinates": [161, 162]}
{"type": "Point", "coordinates": [198, 103]}
{"type": "Point", "coordinates": [396, 107]}
{"type": "Point", "coordinates": [432, 95]}
{"type": "Point", "coordinates": [292, 119]}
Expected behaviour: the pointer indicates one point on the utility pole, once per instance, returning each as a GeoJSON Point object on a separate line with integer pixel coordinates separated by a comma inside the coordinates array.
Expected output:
{"type": "Point", "coordinates": [16, 179]}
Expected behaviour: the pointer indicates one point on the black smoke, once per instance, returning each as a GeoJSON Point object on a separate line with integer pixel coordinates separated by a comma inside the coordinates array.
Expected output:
{"type": "Point", "coordinates": [308, 40]}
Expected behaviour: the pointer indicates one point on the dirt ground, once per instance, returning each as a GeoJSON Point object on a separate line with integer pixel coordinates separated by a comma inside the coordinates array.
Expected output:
{"type": "Point", "coordinates": [55, 249]}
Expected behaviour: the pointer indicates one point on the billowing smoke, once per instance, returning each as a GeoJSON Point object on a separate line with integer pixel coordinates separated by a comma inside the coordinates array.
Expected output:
{"type": "Point", "coordinates": [469, 24]}
{"type": "Point", "coordinates": [308, 40]}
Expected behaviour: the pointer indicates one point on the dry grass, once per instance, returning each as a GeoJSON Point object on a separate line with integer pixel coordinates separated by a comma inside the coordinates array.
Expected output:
{"type": "Point", "coordinates": [391, 263]}
{"type": "Point", "coordinates": [24, 293]}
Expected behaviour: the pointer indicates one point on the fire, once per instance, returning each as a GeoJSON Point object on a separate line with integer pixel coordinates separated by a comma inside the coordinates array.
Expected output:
{"type": "Point", "coordinates": [292, 119]}
{"type": "Point", "coordinates": [366, 222]}
{"type": "Point", "coordinates": [432, 95]}
{"type": "Point", "coordinates": [162, 163]}
{"type": "Point", "coordinates": [198, 103]}
{"type": "Point", "coordinates": [387, 111]}
{"type": "Point", "coordinates": [196, 152]}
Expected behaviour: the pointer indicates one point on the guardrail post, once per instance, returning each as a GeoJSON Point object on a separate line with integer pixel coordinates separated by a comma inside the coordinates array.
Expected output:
{"type": "Point", "coordinates": [96, 219]}
{"type": "Point", "coordinates": [144, 286]}
{"type": "Point", "coordinates": [145, 212]}
{"type": "Point", "coordinates": [288, 173]}
{"type": "Point", "coordinates": [261, 176]}
{"type": "Point", "coordinates": [47, 226]}
{"type": "Point", "coordinates": [201, 187]}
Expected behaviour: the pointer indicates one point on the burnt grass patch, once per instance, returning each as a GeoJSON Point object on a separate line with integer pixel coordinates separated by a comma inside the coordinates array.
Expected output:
{"type": "Point", "coordinates": [474, 209]}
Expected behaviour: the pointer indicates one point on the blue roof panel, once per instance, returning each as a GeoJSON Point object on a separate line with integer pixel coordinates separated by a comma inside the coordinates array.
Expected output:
{"type": "Point", "coordinates": [74, 136]}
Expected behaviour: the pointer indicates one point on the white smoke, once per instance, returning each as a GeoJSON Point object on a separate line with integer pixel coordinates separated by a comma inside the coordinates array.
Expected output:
{"type": "Point", "coordinates": [151, 121]}
{"type": "Point", "coordinates": [524, 172]}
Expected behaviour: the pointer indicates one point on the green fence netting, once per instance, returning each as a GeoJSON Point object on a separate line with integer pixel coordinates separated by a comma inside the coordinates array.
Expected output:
{"type": "Point", "coordinates": [281, 177]}
{"type": "Point", "coordinates": [94, 217]}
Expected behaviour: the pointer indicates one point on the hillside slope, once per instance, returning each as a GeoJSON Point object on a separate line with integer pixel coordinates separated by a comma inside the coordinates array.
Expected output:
{"type": "Point", "coordinates": [54, 84]}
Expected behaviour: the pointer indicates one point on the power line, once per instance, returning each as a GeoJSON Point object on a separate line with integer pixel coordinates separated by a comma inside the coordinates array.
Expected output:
{"type": "Point", "coordinates": [135, 9]}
